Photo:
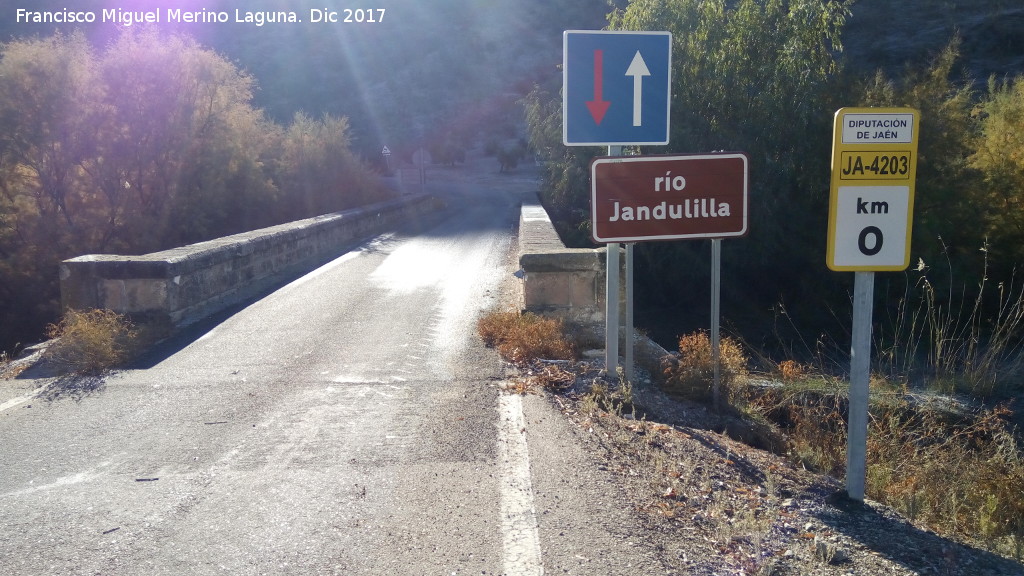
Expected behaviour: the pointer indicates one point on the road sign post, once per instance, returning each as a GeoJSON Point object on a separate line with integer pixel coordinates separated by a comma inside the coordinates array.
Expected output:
{"type": "Point", "coordinates": [616, 92]}
{"type": "Point", "coordinates": [860, 378]}
{"type": "Point", "coordinates": [871, 206]}
{"type": "Point", "coordinates": [616, 87]}
{"type": "Point", "coordinates": [643, 198]}
{"type": "Point", "coordinates": [611, 298]}
{"type": "Point", "coordinates": [716, 316]}
{"type": "Point", "coordinates": [630, 337]}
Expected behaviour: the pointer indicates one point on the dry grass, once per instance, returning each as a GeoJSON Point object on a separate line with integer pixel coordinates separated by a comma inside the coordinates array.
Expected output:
{"type": "Point", "coordinates": [7, 367]}
{"type": "Point", "coordinates": [959, 342]}
{"type": "Point", "coordinates": [529, 341]}
{"type": "Point", "coordinates": [690, 374]}
{"type": "Point", "coordinates": [522, 338]}
{"type": "Point", "coordinates": [615, 398]}
{"type": "Point", "coordinates": [90, 342]}
{"type": "Point", "coordinates": [959, 472]}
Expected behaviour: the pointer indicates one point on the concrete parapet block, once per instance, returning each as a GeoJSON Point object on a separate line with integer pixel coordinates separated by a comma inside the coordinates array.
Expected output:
{"type": "Point", "coordinates": [562, 260]}
{"type": "Point", "coordinates": [560, 281]}
{"type": "Point", "coordinates": [140, 294]}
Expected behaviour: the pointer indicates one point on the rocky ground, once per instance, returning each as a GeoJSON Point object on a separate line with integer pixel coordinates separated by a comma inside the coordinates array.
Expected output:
{"type": "Point", "coordinates": [716, 506]}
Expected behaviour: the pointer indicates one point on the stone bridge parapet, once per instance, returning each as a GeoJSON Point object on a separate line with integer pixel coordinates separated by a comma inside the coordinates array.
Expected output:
{"type": "Point", "coordinates": [559, 281]}
{"type": "Point", "coordinates": [185, 284]}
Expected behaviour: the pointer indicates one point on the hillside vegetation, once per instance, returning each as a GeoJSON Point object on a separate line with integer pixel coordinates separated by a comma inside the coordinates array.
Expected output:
{"type": "Point", "coordinates": [992, 32]}
{"type": "Point", "coordinates": [149, 143]}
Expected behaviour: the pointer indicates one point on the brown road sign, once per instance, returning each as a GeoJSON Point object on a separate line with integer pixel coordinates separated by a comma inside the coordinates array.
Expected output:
{"type": "Point", "coordinates": [643, 198]}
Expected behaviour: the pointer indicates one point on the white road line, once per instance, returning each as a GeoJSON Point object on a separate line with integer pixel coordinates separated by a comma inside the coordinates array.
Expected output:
{"type": "Point", "coordinates": [16, 401]}
{"type": "Point", "coordinates": [322, 269]}
{"type": "Point", "coordinates": [521, 540]}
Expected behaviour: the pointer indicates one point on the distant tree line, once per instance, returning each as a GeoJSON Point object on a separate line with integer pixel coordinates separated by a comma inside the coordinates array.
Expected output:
{"type": "Point", "coordinates": [149, 143]}
{"type": "Point", "coordinates": [765, 77]}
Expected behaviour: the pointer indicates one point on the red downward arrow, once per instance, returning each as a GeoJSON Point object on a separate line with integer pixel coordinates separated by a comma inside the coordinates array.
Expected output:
{"type": "Point", "coordinates": [598, 106]}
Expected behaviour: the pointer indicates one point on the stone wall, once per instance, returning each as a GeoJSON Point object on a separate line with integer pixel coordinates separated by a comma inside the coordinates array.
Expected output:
{"type": "Point", "coordinates": [566, 282]}
{"type": "Point", "coordinates": [185, 284]}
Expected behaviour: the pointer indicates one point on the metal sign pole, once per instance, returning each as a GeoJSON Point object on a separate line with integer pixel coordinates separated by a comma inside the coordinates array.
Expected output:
{"type": "Point", "coordinates": [611, 296]}
{"type": "Point", "coordinates": [716, 289]}
{"type": "Point", "coordinates": [629, 368]}
{"type": "Point", "coordinates": [611, 322]}
{"type": "Point", "coordinates": [860, 373]}
{"type": "Point", "coordinates": [423, 171]}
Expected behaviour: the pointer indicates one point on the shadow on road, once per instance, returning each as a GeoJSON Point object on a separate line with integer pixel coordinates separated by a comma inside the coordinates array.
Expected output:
{"type": "Point", "coordinates": [76, 387]}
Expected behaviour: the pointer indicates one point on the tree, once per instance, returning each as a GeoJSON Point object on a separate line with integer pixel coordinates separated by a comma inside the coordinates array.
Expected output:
{"type": "Point", "coordinates": [319, 170]}
{"type": "Point", "coordinates": [44, 112]}
{"type": "Point", "coordinates": [946, 205]}
{"type": "Point", "coordinates": [999, 157]}
{"type": "Point", "coordinates": [150, 143]}
{"type": "Point", "coordinates": [45, 115]}
{"type": "Point", "coordinates": [181, 158]}
{"type": "Point", "coordinates": [753, 75]}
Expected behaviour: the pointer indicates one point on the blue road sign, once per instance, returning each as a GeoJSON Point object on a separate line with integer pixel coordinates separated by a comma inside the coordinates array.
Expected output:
{"type": "Point", "coordinates": [616, 88]}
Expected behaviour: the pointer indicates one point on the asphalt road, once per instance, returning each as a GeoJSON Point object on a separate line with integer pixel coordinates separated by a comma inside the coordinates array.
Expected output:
{"type": "Point", "coordinates": [348, 423]}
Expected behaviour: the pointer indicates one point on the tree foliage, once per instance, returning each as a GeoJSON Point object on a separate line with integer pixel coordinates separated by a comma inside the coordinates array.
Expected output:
{"type": "Point", "coordinates": [752, 75]}
{"type": "Point", "coordinates": [945, 202]}
{"type": "Point", "coordinates": [999, 157]}
{"type": "Point", "coordinates": [149, 143]}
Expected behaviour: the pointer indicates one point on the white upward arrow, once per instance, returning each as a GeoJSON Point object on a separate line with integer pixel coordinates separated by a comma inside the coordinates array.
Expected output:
{"type": "Point", "coordinates": [637, 69]}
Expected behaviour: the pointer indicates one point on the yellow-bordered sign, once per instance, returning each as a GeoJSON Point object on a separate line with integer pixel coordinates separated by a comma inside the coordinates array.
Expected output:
{"type": "Point", "coordinates": [871, 207]}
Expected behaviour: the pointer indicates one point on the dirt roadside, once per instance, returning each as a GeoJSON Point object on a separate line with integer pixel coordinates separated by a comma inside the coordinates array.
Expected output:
{"type": "Point", "coordinates": [715, 506]}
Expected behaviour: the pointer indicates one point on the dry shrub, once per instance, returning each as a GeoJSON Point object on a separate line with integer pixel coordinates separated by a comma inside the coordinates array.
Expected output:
{"type": "Point", "coordinates": [690, 374]}
{"type": "Point", "coordinates": [521, 338]}
{"type": "Point", "coordinates": [89, 342]}
{"type": "Point", "coordinates": [811, 413]}
{"type": "Point", "coordinates": [611, 397]}
{"type": "Point", "coordinates": [818, 438]}
{"type": "Point", "coordinates": [791, 371]}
